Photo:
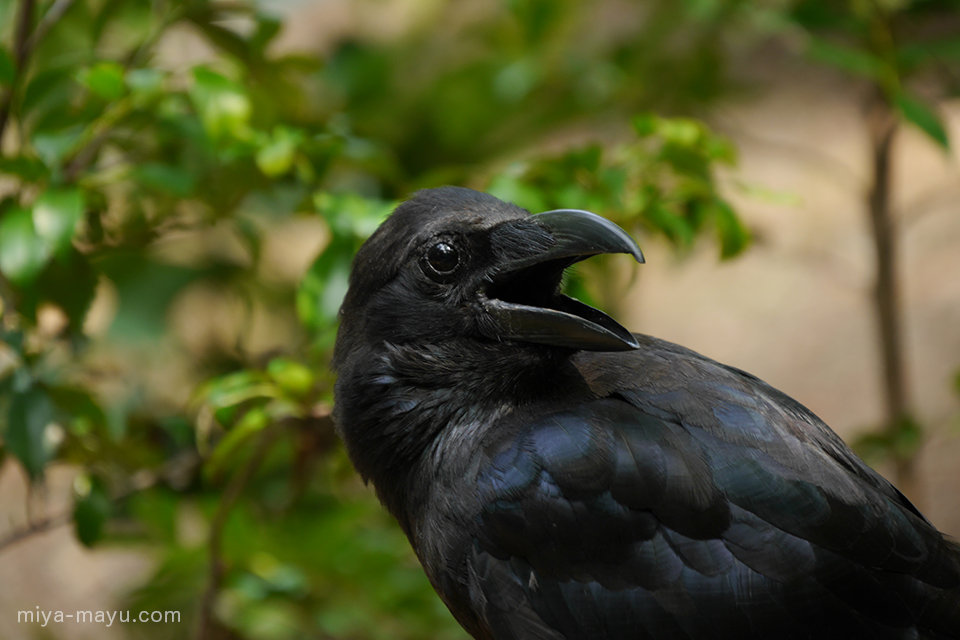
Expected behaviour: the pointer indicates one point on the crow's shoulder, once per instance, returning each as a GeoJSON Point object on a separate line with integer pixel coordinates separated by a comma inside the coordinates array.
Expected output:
{"type": "Point", "coordinates": [681, 478]}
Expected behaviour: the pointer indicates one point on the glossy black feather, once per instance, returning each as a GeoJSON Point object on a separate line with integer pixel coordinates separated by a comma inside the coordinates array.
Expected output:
{"type": "Point", "coordinates": [655, 493]}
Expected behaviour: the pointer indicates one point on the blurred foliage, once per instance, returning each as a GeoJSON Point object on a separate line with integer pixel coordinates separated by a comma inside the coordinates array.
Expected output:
{"type": "Point", "coordinates": [154, 154]}
{"type": "Point", "coordinates": [902, 47]}
{"type": "Point", "coordinates": [147, 338]}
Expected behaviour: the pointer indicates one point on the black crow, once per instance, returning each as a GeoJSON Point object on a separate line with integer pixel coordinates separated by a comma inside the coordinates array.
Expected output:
{"type": "Point", "coordinates": [560, 477]}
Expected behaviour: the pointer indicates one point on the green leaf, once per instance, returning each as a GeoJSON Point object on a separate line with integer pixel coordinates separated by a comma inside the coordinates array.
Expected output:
{"type": "Point", "coordinates": [645, 124]}
{"type": "Point", "coordinates": [854, 61]}
{"type": "Point", "coordinates": [46, 89]}
{"type": "Point", "coordinates": [90, 512]}
{"type": "Point", "coordinates": [276, 157]}
{"type": "Point", "coordinates": [252, 423]}
{"type": "Point", "coordinates": [56, 213]}
{"type": "Point", "coordinates": [105, 79]}
{"type": "Point", "coordinates": [164, 177]}
{"type": "Point", "coordinates": [235, 388]}
{"type": "Point", "coordinates": [512, 188]}
{"type": "Point", "coordinates": [907, 436]}
{"type": "Point", "coordinates": [54, 146]}
{"type": "Point", "coordinates": [323, 288]}
{"type": "Point", "coordinates": [267, 29]}
{"type": "Point", "coordinates": [145, 83]}
{"type": "Point", "coordinates": [917, 53]}
{"type": "Point", "coordinates": [350, 215]}
{"type": "Point", "coordinates": [7, 70]}
{"type": "Point", "coordinates": [682, 132]}
{"type": "Point", "coordinates": [734, 237]}
{"type": "Point", "coordinates": [291, 376]}
{"type": "Point", "coordinates": [28, 416]}
{"type": "Point", "coordinates": [23, 254]}
{"type": "Point", "coordinates": [25, 168]}
{"type": "Point", "coordinates": [919, 114]}
{"type": "Point", "coordinates": [677, 228]}
{"type": "Point", "coordinates": [224, 105]}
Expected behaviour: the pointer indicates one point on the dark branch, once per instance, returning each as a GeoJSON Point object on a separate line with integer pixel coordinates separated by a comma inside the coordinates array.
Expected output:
{"type": "Point", "coordinates": [36, 527]}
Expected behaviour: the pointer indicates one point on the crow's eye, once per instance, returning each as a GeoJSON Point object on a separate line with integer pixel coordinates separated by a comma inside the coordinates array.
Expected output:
{"type": "Point", "coordinates": [441, 260]}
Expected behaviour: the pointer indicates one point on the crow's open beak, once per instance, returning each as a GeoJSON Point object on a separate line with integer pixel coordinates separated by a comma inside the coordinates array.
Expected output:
{"type": "Point", "coordinates": [523, 297]}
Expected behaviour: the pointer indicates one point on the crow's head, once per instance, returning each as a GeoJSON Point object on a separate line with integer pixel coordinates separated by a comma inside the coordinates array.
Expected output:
{"type": "Point", "coordinates": [456, 263]}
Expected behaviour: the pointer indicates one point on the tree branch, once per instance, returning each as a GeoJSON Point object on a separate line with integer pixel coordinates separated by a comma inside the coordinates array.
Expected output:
{"type": "Point", "coordinates": [883, 124]}
{"type": "Point", "coordinates": [35, 527]}
{"type": "Point", "coordinates": [139, 482]}
{"type": "Point", "coordinates": [227, 501]}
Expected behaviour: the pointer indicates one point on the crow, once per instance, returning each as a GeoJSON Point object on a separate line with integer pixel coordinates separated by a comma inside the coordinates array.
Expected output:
{"type": "Point", "coordinates": [561, 478]}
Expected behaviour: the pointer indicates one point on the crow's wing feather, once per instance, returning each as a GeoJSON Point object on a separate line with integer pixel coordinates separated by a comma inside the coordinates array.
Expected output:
{"type": "Point", "coordinates": [633, 515]}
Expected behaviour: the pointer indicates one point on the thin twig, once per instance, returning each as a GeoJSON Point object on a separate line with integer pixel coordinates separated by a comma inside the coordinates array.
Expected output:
{"type": "Point", "coordinates": [21, 54]}
{"type": "Point", "coordinates": [35, 527]}
{"type": "Point", "coordinates": [50, 18]}
{"type": "Point", "coordinates": [227, 501]}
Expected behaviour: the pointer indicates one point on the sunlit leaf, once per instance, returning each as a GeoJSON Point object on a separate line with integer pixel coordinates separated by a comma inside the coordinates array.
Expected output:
{"type": "Point", "coordinates": [350, 215]}
{"type": "Point", "coordinates": [293, 377]}
{"type": "Point", "coordinates": [680, 131]}
{"type": "Point", "coordinates": [227, 449]}
{"type": "Point", "coordinates": [223, 104]}
{"type": "Point", "coordinates": [236, 388]}
{"type": "Point", "coordinates": [56, 213]}
{"type": "Point", "coordinates": [276, 157]}
{"type": "Point", "coordinates": [105, 79]}
{"type": "Point", "coordinates": [23, 253]}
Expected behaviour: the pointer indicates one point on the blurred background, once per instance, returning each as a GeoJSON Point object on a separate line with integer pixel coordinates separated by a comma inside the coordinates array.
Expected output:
{"type": "Point", "coordinates": [184, 182]}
